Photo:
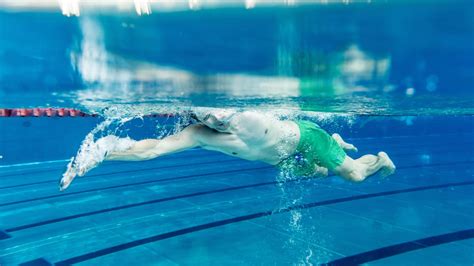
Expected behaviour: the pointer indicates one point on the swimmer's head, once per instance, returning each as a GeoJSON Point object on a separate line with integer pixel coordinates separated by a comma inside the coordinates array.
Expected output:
{"type": "Point", "coordinates": [218, 119]}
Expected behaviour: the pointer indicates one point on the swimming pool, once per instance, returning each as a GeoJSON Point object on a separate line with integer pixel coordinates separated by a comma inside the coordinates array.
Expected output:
{"type": "Point", "coordinates": [387, 76]}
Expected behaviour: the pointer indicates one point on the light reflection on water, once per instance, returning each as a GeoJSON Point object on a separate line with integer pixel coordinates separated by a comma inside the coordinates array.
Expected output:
{"type": "Point", "coordinates": [357, 59]}
{"type": "Point", "coordinates": [346, 81]}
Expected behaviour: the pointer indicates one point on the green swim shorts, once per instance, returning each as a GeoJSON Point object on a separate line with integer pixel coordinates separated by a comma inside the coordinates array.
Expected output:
{"type": "Point", "coordinates": [315, 147]}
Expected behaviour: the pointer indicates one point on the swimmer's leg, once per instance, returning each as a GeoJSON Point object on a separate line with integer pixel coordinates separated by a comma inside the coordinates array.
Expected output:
{"type": "Point", "coordinates": [344, 145]}
{"type": "Point", "coordinates": [358, 170]}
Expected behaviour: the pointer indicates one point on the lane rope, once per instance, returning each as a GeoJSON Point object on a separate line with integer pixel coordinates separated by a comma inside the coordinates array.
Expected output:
{"type": "Point", "coordinates": [54, 112]}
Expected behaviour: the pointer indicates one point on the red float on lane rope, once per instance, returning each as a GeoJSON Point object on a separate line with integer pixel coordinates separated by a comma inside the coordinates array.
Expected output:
{"type": "Point", "coordinates": [41, 112]}
{"type": "Point", "coordinates": [54, 112]}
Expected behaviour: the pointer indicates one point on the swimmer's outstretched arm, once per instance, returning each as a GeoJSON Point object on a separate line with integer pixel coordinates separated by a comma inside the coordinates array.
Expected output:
{"type": "Point", "coordinates": [151, 148]}
{"type": "Point", "coordinates": [136, 151]}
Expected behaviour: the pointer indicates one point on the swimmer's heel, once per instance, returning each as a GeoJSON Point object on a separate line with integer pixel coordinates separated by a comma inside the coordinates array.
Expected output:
{"type": "Point", "coordinates": [388, 167]}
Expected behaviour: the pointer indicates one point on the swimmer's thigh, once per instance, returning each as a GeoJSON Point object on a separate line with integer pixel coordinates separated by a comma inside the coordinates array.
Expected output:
{"type": "Point", "coordinates": [327, 151]}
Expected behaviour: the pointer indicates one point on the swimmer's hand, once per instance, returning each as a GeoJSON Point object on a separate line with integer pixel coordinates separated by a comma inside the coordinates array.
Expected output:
{"type": "Point", "coordinates": [73, 170]}
{"type": "Point", "coordinates": [90, 155]}
{"type": "Point", "coordinates": [68, 176]}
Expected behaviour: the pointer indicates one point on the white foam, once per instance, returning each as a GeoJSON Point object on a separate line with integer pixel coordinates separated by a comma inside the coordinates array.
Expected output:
{"type": "Point", "coordinates": [92, 152]}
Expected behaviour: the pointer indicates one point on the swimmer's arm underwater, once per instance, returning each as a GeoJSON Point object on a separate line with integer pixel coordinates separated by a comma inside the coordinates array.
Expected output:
{"type": "Point", "coordinates": [151, 148]}
{"type": "Point", "coordinates": [111, 148]}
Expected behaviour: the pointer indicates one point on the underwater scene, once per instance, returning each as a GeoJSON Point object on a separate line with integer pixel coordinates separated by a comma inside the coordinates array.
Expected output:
{"type": "Point", "coordinates": [238, 132]}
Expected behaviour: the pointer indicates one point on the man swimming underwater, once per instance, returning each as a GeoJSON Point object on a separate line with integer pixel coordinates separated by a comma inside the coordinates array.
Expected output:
{"type": "Point", "coordinates": [301, 147]}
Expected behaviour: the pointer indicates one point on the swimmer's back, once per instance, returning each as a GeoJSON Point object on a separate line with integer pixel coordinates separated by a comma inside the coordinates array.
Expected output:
{"type": "Point", "coordinates": [274, 139]}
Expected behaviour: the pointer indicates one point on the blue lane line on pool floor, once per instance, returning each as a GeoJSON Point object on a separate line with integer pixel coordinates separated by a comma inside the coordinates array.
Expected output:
{"type": "Point", "coordinates": [70, 217]}
{"type": "Point", "coordinates": [200, 193]}
{"type": "Point", "coordinates": [201, 227]}
{"type": "Point", "coordinates": [129, 171]}
{"type": "Point", "coordinates": [404, 247]}
{"type": "Point", "coordinates": [176, 178]}
{"type": "Point", "coordinates": [36, 262]}
{"type": "Point", "coordinates": [65, 218]}
{"type": "Point", "coordinates": [187, 154]}
{"type": "Point", "coordinates": [134, 184]}
{"type": "Point", "coordinates": [4, 235]}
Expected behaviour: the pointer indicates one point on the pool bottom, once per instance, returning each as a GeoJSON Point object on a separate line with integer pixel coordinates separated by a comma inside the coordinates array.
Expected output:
{"type": "Point", "coordinates": [201, 207]}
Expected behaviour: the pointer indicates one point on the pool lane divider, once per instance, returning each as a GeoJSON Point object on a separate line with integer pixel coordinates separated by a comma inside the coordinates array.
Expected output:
{"type": "Point", "coordinates": [55, 112]}
{"type": "Point", "coordinates": [202, 227]}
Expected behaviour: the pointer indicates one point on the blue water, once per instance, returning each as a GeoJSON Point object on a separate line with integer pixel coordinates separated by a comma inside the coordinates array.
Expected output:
{"type": "Point", "coordinates": [387, 76]}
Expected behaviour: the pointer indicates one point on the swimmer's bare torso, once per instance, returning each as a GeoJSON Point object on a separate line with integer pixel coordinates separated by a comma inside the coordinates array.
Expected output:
{"type": "Point", "coordinates": [248, 135]}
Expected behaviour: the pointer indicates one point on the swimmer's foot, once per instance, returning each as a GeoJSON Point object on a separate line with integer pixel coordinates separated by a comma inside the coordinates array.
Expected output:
{"type": "Point", "coordinates": [388, 167]}
{"type": "Point", "coordinates": [344, 145]}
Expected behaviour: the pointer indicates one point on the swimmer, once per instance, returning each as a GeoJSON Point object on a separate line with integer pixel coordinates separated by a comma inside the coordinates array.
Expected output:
{"type": "Point", "coordinates": [301, 147]}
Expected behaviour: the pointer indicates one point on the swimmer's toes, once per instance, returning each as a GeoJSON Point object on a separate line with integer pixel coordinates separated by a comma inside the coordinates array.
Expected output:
{"type": "Point", "coordinates": [353, 148]}
{"type": "Point", "coordinates": [386, 171]}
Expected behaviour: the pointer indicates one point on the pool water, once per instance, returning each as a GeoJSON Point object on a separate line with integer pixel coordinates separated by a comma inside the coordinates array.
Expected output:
{"type": "Point", "coordinates": [202, 207]}
{"type": "Point", "coordinates": [392, 76]}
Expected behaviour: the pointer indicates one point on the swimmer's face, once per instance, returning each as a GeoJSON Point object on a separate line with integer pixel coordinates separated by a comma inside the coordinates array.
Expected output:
{"type": "Point", "coordinates": [218, 119]}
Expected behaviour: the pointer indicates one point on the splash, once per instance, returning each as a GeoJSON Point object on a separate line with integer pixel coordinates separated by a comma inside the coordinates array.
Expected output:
{"type": "Point", "coordinates": [93, 149]}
